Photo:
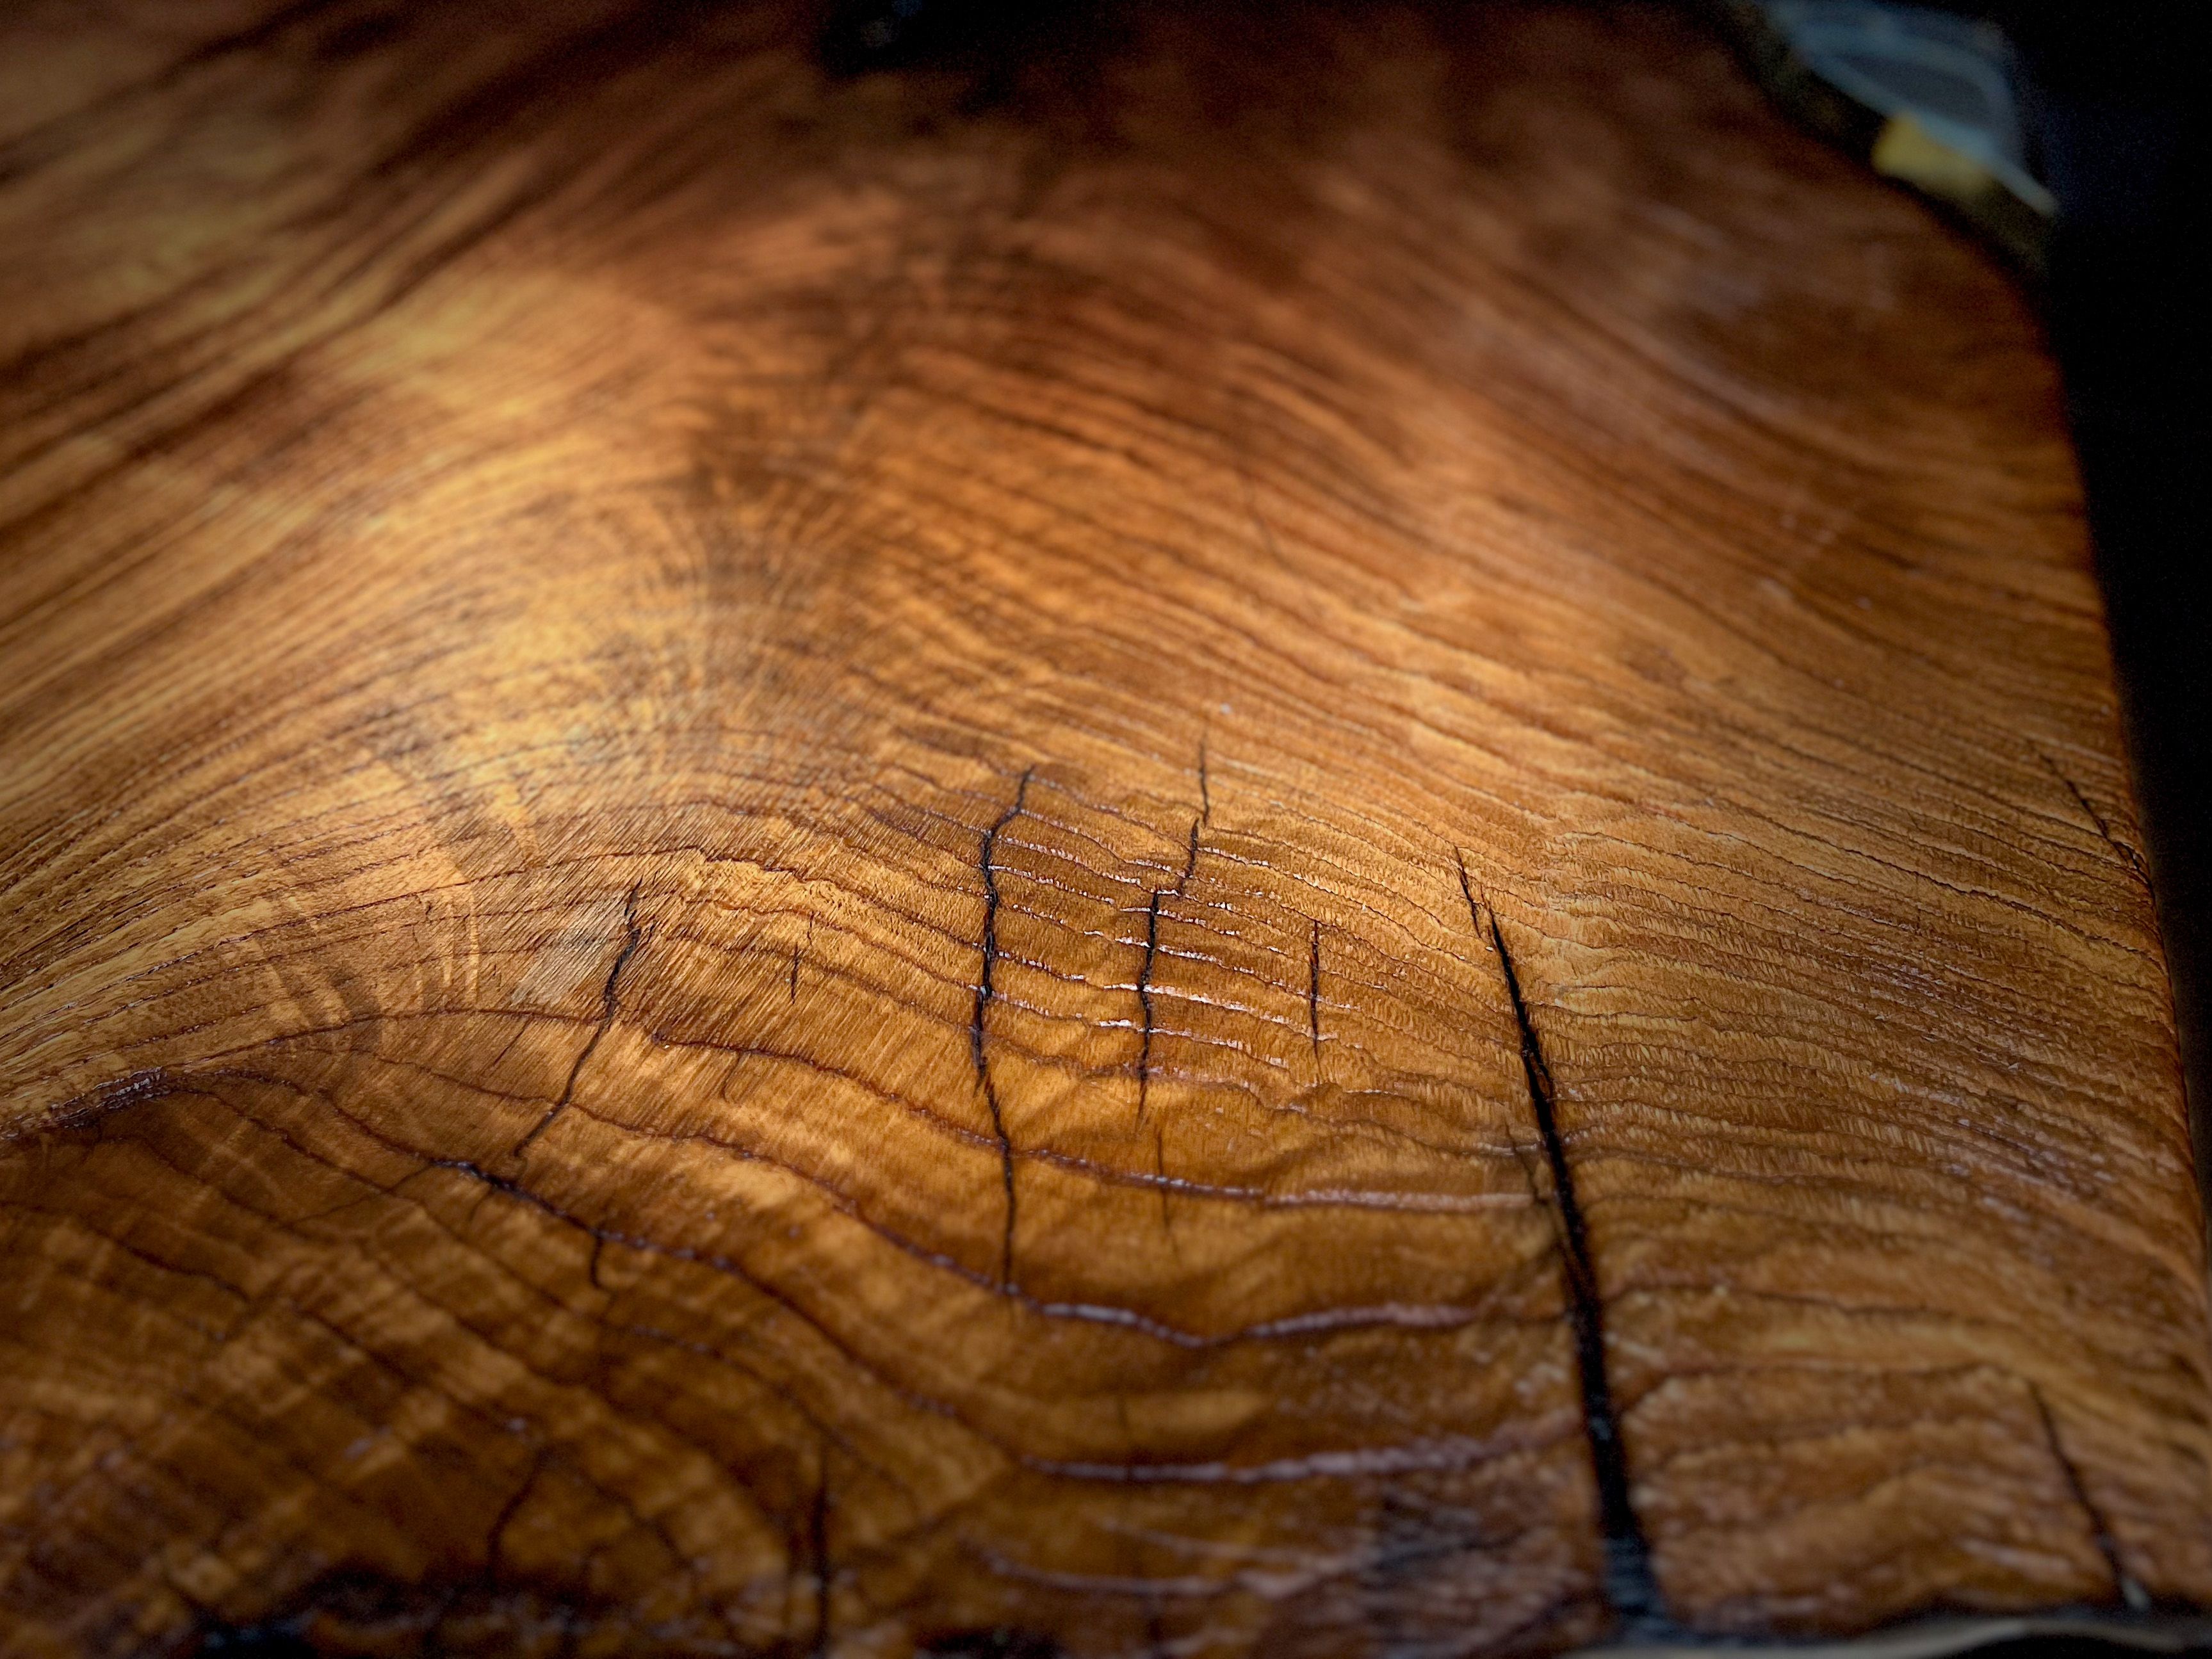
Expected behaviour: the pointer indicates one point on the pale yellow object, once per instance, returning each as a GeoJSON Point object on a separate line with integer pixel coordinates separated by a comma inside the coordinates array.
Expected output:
{"type": "Point", "coordinates": [1906, 150]}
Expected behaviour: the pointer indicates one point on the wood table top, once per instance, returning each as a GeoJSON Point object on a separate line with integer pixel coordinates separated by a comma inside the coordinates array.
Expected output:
{"type": "Point", "coordinates": [1286, 830]}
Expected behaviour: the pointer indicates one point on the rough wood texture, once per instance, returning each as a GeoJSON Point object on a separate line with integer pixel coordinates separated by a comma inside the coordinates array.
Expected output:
{"type": "Point", "coordinates": [1298, 832]}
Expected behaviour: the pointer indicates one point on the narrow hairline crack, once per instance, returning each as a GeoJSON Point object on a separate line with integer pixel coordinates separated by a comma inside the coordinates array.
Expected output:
{"type": "Point", "coordinates": [1312, 987]}
{"type": "Point", "coordinates": [2128, 855]}
{"type": "Point", "coordinates": [986, 989]}
{"type": "Point", "coordinates": [1151, 958]}
{"type": "Point", "coordinates": [495, 1537]}
{"type": "Point", "coordinates": [797, 951]}
{"type": "Point", "coordinates": [2125, 1587]}
{"type": "Point", "coordinates": [632, 936]}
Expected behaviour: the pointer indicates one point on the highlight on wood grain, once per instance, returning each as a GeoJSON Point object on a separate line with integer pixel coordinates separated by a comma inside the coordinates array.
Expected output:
{"type": "Point", "coordinates": [1284, 830]}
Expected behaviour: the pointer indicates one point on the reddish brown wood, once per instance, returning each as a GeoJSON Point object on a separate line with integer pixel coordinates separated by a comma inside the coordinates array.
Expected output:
{"type": "Point", "coordinates": [1232, 835]}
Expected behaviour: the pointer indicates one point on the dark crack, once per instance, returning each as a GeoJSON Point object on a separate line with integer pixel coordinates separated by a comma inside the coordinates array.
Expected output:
{"type": "Point", "coordinates": [1152, 951]}
{"type": "Point", "coordinates": [2125, 1589]}
{"type": "Point", "coordinates": [2128, 855]}
{"type": "Point", "coordinates": [986, 984]}
{"type": "Point", "coordinates": [632, 936]}
{"type": "Point", "coordinates": [798, 952]}
{"type": "Point", "coordinates": [1144, 1000]}
{"type": "Point", "coordinates": [1312, 987]}
{"type": "Point", "coordinates": [1629, 1585]}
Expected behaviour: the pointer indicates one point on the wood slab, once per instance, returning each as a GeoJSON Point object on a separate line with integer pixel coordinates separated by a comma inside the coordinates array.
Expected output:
{"type": "Point", "coordinates": [1279, 830]}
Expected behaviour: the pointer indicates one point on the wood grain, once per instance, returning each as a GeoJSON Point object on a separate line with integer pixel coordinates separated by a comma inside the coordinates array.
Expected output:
{"type": "Point", "coordinates": [1279, 830]}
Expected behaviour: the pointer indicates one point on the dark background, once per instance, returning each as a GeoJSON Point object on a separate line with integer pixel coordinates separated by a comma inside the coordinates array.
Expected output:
{"type": "Point", "coordinates": [2121, 123]}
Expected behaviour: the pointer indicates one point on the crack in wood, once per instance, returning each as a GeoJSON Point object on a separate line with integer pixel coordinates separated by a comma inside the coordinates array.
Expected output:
{"type": "Point", "coordinates": [632, 936]}
{"type": "Point", "coordinates": [2125, 1589]}
{"type": "Point", "coordinates": [1146, 1024]}
{"type": "Point", "coordinates": [798, 952]}
{"type": "Point", "coordinates": [986, 989]}
{"type": "Point", "coordinates": [1629, 1587]}
{"type": "Point", "coordinates": [496, 1537]}
{"type": "Point", "coordinates": [2128, 855]}
{"type": "Point", "coordinates": [1313, 989]}
{"type": "Point", "coordinates": [1144, 1000]}
{"type": "Point", "coordinates": [766, 668]}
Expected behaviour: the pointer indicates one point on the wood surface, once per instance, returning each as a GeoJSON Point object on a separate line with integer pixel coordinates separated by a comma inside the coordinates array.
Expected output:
{"type": "Point", "coordinates": [1266, 831]}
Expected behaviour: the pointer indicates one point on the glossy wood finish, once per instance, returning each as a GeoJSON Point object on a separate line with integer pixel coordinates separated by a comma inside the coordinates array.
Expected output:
{"type": "Point", "coordinates": [1280, 831]}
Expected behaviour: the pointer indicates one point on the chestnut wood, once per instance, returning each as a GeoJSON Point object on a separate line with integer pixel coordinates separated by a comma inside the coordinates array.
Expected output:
{"type": "Point", "coordinates": [1281, 830]}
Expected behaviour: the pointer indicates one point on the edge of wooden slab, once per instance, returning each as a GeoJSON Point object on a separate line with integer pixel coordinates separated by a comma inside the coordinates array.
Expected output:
{"type": "Point", "coordinates": [1936, 1637]}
